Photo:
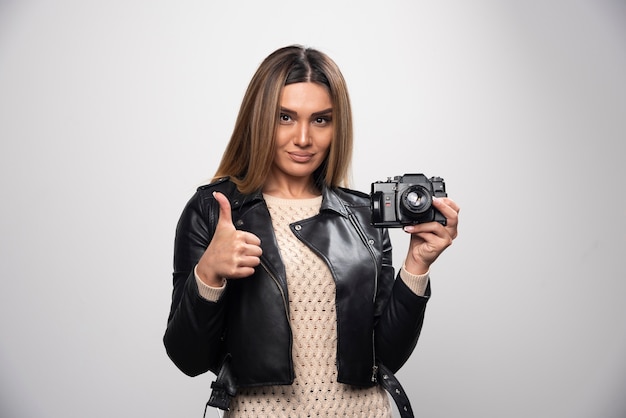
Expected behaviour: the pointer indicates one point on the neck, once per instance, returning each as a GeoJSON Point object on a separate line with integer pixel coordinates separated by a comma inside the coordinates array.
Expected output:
{"type": "Point", "coordinates": [291, 189]}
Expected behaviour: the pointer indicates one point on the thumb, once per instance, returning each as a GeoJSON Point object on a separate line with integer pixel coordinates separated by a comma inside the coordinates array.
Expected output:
{"type": "Point", "coordinates": [225, 211]}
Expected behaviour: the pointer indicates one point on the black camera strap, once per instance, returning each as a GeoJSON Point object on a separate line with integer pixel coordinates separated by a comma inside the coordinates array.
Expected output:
{"type": "Point", "coordinates": [223, 388]}
{"type": "Point", "coordinates": [391, 384]}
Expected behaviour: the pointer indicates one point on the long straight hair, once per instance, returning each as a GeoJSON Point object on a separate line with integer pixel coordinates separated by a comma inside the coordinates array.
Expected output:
{"type": "Point", "coordinates": [249, 154]}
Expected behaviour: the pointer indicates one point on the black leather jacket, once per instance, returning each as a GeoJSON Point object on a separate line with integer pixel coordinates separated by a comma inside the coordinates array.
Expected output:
{"type": "Point", "coordinates": [378, 317]}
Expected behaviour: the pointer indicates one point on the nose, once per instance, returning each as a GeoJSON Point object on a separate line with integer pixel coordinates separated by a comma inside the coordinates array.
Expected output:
{"type": "Point", "coordinates": [302, 137]}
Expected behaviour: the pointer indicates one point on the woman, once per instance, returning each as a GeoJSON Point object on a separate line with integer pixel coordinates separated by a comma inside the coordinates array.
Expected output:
{"type": "Point", "coordinates": [282, 287]}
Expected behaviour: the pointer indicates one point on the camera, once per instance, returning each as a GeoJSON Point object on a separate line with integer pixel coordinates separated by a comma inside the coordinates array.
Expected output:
{"type": "Point", "coordinates": [406, 200]}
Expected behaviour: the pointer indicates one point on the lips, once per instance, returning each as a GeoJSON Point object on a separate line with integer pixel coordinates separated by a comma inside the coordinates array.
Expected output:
{"type": "Point", "coordinates": [300, 157]}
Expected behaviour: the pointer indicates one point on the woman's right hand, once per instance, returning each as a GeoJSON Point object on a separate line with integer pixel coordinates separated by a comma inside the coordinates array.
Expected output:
{"type": "Point", "coordinates": [231, 254]}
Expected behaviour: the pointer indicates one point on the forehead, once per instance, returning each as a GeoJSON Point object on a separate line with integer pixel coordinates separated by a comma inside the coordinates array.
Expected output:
{"type": "Point", "coordinates": [305, 95]}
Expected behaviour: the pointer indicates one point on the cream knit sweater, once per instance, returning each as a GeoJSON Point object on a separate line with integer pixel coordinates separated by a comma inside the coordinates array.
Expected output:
{"type": "Point", "coordinates": [315, 391]}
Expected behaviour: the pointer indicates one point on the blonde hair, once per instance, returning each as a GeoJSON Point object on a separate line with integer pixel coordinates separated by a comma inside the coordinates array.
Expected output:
{"type": "Point", "coordinates": [250, 152]}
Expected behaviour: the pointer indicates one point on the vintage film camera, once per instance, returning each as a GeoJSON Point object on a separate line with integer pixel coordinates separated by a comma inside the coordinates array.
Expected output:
{"type": "Point", "coordinates": [406, 200]}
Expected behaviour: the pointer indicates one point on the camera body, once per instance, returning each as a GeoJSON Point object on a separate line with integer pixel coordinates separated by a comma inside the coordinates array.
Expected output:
{"type": "Point", "coordinates": [406, 200]}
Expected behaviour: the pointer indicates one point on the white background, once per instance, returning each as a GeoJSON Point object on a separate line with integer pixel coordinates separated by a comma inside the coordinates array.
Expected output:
{"type": "Point", "coordinates": [112, 112]}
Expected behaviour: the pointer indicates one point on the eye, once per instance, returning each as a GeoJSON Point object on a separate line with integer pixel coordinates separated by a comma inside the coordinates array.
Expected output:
{"type": "Point", "coordinates": [284, 118]}
{"type": "Point", "coordinates": [322, 120]}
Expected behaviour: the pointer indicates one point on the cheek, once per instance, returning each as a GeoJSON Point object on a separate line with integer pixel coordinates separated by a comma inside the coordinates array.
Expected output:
{"type": "Point", "coordinates": [328, 147]}
{"type": "Point", "coordinates": [281, 137]}
{"type": "Point", "coordinates": [328, 143]}
{"type": "Point", "coordinates": [281, 140]}
{"type": "Point", "coordinates": [325, 139]}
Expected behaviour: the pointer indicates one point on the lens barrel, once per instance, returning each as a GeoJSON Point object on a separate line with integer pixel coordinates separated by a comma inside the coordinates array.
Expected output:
{"type": "Point", "coordinates": [415, 200]}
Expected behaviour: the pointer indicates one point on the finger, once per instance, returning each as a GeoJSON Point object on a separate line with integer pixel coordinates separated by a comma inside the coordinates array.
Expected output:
{"type": "Point", "coordinates": [241, 273]}
{"type": "Point", "coordinates": [431, 227]}
{"type": "Point", "coordinates": [431, 230]}
{"type": "Point", "coordinates": [250, 238]}
{"type": "Point", "coordinates": [254, 248]}
{"type": "Point", "coordinates": [244, 267]}
{"type": "Point", "coordinates": [443, 204]}
{"type": "Point", "coordinates": [242, 248]}
{"type": "Point", "coordinates": [249, 261]}
{"type": "Point", "coordinates": [225, 216]}
{"type": "Point", "coordinates": [450, 210]}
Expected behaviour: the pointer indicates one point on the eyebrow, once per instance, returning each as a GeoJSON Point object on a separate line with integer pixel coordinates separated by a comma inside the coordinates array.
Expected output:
{"type": "Point", "coordinates": [321, 112]}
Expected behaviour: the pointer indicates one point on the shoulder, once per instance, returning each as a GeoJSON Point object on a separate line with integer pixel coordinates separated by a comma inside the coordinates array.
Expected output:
{"type": "Point", "coordinates": [202, 200]}
{"type": "Point", "coordinates": [223, 185]}
{"type": "Point", "coordinates": [229, 189]}
{"type": "Point", "coordinates": [353, 197]}
{"type": "Point", "coordinates": [359, 204]}
{"type": "Point", "coordinates": [202, 206]}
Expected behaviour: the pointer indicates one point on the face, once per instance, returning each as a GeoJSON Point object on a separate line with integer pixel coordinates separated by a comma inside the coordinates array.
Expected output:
{"type": "Point", "coordinates": [304, 132]}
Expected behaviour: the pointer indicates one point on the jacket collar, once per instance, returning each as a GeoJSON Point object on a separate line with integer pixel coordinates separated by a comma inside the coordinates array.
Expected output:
{"type": "Point", "coordinates": [330, 200]}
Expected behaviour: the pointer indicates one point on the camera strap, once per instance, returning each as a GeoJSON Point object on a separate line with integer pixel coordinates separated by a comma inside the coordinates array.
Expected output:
{"type": "Point", "coordinates": [390, 383]}
{"type": "Point", "coordinates": [223, 388]}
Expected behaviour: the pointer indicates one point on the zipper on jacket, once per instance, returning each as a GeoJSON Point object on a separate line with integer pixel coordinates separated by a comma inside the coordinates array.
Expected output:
{"type": "Point", "coordinates": [280, 288]}
{"type": "Point", "coordinates": [361, 233]}
{"type": "Point", "coordinates": [363, 237]}
{"type": "Point", "coordinates": [286, 305]}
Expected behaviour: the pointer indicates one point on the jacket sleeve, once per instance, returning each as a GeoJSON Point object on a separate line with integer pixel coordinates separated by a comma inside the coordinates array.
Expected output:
{"type": "Point", "coordinates": [193, 337]}
{"type": "Point", "coordinates": [400, 314]}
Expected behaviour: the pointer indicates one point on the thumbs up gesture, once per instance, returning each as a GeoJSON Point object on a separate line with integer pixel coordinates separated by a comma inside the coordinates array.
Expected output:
{"type": "Point", "coordinates": [231, 254]}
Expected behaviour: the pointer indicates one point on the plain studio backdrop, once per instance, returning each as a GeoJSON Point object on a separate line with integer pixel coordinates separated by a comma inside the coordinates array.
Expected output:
{"type": "Point", "coordinates": [112, 112]}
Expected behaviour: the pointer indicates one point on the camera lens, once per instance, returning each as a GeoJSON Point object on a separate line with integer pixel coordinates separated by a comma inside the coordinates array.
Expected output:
{"type": "Point", "coordinates": [413, 199]}
{"type": "Point", "coordinates": [416, 200]}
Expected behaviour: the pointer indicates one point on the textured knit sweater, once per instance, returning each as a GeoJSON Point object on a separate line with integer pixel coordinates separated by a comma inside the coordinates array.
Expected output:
{"type": "Point", "coordinates": [315, 391]}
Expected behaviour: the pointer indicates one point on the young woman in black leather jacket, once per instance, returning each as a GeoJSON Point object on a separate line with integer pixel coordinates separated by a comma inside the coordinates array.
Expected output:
{"type": "Point", "coordinates": [282, 287]}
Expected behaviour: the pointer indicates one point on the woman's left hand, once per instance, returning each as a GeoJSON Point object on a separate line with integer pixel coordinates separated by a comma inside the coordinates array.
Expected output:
{"type": "Point", "coordinates": [429, 240]}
